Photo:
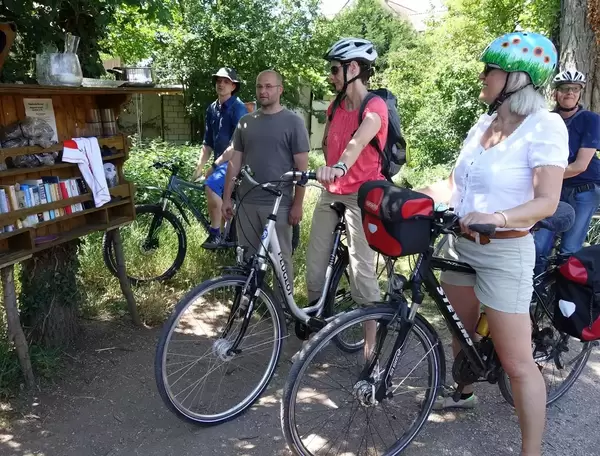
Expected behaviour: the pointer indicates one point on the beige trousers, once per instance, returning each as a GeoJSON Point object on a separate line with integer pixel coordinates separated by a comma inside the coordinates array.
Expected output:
{"type": "Point", "coordinates": [363, 280]}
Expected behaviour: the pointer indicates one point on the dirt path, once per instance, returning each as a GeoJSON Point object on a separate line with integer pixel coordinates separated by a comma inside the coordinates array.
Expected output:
{"type": "Point", "coordinates": [106, 404]}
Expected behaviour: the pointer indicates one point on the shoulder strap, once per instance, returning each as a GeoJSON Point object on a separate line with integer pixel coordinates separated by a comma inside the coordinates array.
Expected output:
{"type": "Point", "coordinates": [361, 113]}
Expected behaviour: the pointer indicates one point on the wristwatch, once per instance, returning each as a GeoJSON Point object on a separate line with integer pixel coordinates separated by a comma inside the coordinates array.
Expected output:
{"type": "Point", "coordinates": [342, 166]}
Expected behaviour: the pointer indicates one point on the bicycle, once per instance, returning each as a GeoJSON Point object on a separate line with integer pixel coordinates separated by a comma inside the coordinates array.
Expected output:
{"type": "Point", "coordinates": [371, 390]}
{"type": "Point", "coordinates": [156, 225]}
{"type": "Point", "coordinates": [238, 321]}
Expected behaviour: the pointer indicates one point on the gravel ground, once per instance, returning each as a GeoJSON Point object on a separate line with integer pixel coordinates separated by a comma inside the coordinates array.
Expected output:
{"type": "Point", "coordinates": [105, 404]}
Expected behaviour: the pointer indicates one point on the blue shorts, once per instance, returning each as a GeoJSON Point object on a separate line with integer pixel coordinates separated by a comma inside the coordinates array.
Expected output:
{"type": "Point", "coordinates": [216, 181]}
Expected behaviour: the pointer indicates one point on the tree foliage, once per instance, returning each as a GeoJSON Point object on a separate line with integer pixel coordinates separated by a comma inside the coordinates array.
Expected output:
{"type": "Point", "coordinates": [249, 35]}
{"type": "Point", "coordinates": [43, 23]}
{"type": "Point", "coordinates": [437, 81]}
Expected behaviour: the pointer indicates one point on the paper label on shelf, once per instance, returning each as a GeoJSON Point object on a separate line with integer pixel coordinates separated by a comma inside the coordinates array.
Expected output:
{"type": "Point", "coordinates": [42, 108]}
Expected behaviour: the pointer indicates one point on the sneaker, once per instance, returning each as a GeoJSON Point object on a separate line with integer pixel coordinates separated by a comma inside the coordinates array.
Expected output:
{"type": "Point", "coordinates": [213, 241]}
{"type": "Point", "coordinates": [445, 401]}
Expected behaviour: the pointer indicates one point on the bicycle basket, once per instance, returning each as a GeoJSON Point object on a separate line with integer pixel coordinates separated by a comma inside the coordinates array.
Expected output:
{"type": "Point", "coordinates": [396, 221]}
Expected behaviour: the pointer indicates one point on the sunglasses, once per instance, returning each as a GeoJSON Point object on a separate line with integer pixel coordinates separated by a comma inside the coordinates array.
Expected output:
{"type": "Point", "coordinates": [335, 69]}
{"type": "Point", "coordinates": [489, 68]}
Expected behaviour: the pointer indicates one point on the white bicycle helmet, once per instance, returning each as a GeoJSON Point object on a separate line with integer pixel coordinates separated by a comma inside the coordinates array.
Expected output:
{"type": "Point", "coordinates": [348, 49]}
{"type": "Point", "coordinates": [569, 77]}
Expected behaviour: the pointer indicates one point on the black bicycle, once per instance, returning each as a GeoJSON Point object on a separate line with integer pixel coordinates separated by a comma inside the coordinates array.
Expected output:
{"type": "Point", "coordinates": [219, 349]}
{"type": "Point", "coordinates": [339, 403]}
{"type": "Point", "coordinates": [159, 235]}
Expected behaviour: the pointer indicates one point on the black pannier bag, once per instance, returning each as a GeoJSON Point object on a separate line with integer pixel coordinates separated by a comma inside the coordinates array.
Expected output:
{"type": "Point", "coordinates": [396, 221]}
{"type": "Point", "coordinates": [577, 299]}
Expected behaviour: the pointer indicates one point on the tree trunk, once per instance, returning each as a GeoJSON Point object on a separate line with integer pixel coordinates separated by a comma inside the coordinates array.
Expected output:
{"type": "Point", "coordinates": [579, 48]}
{"type": "Point", "coordinates": [50, 296]}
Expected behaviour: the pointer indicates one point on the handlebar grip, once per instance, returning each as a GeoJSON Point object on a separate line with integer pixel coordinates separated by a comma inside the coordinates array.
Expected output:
{"type": "Point", "coordinates": [311, 176]}
{"type": "Point", "coordinates": [487, 229]}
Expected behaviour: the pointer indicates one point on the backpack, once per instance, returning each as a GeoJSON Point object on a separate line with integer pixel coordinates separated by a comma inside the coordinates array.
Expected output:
{"type": "Point", "coordinates": [396, 221]}
{"type": "Point", "coordinates": [577, 298]}
{"type": "Point", "coordinates": [393, 154]}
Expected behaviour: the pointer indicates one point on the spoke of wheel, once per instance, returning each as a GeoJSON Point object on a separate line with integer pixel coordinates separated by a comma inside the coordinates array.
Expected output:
{"type": "Point", "coordinates": [412, 370]}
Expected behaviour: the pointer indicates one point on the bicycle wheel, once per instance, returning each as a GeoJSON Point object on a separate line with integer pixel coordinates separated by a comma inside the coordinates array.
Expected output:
{"type": "Point", "coordinates": [154, 246]}
{"type": "Point", "coordinates": [559, 357]}
{"type": "Point", "coordinates": [307, 408]}
{"type": "Point", "coordinates": [197, 377]}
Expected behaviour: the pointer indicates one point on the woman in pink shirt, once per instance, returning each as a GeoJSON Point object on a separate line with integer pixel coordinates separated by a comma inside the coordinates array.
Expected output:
{"type": "Point", "coordinates": [351, 161]}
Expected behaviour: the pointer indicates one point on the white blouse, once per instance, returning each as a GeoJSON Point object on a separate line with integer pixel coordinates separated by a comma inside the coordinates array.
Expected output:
{"type": "Point", "coordinates": [501, 177]}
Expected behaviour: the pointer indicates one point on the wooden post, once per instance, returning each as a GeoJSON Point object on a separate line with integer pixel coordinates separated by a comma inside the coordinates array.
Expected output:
{"type": "Point", "coordinates": [122, 273]}
{"type": "Point", "coordinates": [14, 324]}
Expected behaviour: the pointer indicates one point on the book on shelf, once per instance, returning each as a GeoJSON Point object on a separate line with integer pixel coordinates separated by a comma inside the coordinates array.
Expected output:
{"type": "Point", "coordinates": [13, 204]}
{"type": "Point", "coordinates": [36, 192]}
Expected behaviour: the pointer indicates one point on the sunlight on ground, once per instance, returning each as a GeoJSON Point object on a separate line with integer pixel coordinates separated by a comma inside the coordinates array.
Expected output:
{"type": "Point", "coordinates": [447, 417]}
{"type": "Point", "coordinates": [593, 366]}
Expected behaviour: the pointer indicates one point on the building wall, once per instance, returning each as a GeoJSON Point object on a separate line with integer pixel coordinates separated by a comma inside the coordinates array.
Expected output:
{"type": "Point", "coordinates": [177, 126]}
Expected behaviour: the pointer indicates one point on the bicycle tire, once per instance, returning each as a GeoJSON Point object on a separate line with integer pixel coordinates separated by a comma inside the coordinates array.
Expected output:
{"type": "Point", "coordinates": [555, 394]}
{"type": "Point", "coordinates": [108, 254]}
{"type": "Point", "coordinates": [320, 341]}
{"type": "Point", "coordinates": [168, 328]}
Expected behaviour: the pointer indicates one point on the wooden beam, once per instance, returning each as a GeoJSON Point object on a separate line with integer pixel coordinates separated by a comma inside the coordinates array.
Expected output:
{"type": "Point", "coordinates": [14, 325]}
{"type": "Point", "coordinates": [122, 273]}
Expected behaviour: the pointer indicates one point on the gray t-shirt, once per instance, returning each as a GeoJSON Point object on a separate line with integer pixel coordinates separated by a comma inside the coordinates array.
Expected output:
{"type": "Point", "coordinates": [268, 143]}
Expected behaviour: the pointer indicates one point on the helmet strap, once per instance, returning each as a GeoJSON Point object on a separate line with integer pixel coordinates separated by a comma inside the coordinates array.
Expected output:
{"type": "Point", "coordinates": [504, 95]}
{"type": "Point", "coordinates": [340, 96]}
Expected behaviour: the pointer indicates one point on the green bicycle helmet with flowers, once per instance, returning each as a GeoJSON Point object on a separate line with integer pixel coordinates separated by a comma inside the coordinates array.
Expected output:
{"type": "Point", "coordinates": [528, 52]}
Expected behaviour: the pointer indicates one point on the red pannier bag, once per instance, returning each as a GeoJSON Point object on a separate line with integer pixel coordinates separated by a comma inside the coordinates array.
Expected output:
{"type": "Point", "coordinates": [396, 221]}
{"type": "Point", "coordinates": [577, 299]}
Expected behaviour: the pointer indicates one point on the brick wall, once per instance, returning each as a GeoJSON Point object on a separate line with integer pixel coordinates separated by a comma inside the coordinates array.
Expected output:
{"type": "Point", "coordinates": [177, 125]}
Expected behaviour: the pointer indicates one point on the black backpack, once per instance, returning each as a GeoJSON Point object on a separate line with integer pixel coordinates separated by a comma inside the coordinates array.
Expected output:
{"type": "Point", "coordinates": [577, 300]}
{"type": "Point", "coordinates": [393, 154]}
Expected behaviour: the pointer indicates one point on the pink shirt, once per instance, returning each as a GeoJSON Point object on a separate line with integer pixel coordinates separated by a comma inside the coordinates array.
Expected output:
{"type": "Point", "coordinates": [341, 129]}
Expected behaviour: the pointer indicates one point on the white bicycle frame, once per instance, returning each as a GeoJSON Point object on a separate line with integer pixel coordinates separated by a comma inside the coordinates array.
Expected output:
{"type": "Point", "coordinates": [269, 246]}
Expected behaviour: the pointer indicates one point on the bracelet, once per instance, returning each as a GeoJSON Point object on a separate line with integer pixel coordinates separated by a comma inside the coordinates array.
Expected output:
{"type": "Point", "coordinates": [504, 217]}
{"type": "Point", "coordinates": [342, 166]}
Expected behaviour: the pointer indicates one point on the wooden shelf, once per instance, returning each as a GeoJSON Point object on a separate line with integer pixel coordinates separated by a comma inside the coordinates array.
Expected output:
{"type": "Point", "coordinates": [34, 89]}
{"type": "Point", "coordinates": [44, 169]}
{"type": "Point", "coordinates": [9, 217]}
{"type": "Point", "coordinates": [81, 213]}
{"type": "Point", "coordinates": [9, 234]}
{"type": "Point", "coordinates": [112, 141]}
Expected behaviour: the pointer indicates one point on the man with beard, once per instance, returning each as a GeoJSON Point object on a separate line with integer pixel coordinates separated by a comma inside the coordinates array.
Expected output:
{"type": "Point", "coordinates": [272, 141]}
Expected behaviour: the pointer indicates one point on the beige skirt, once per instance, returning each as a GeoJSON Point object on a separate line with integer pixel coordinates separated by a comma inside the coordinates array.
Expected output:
{"type": "Point", "coordinates": [504, 271]}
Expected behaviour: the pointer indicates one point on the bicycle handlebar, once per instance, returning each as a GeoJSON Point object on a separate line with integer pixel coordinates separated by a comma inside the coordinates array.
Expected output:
{"type": "Point", "coordinates": [451, 224]}
{"type": "Point", "coordinates": [299, 176]}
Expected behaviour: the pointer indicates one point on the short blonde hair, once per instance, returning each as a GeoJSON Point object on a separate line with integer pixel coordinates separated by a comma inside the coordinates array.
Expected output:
{"type": "Point", "coordinates": [527, 100]}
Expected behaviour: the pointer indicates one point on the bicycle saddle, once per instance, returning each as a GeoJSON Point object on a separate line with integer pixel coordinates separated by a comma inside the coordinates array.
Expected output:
{"type": "Point", "coordinates": [561, 221]}
{"type": "Point", "coordinates": [339, 208]}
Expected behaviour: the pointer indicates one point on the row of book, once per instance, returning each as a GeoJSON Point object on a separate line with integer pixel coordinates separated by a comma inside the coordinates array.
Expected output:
{"type": "Point", "coordinates": [34, 192]}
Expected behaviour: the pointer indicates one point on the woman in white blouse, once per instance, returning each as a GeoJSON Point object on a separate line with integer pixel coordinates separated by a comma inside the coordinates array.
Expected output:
{"type": "Point", "coordinates": [509, 173]}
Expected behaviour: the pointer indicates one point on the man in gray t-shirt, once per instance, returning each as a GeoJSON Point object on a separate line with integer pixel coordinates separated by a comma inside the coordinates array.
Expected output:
{"type": "Point", "coordinates": [272, 141]}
